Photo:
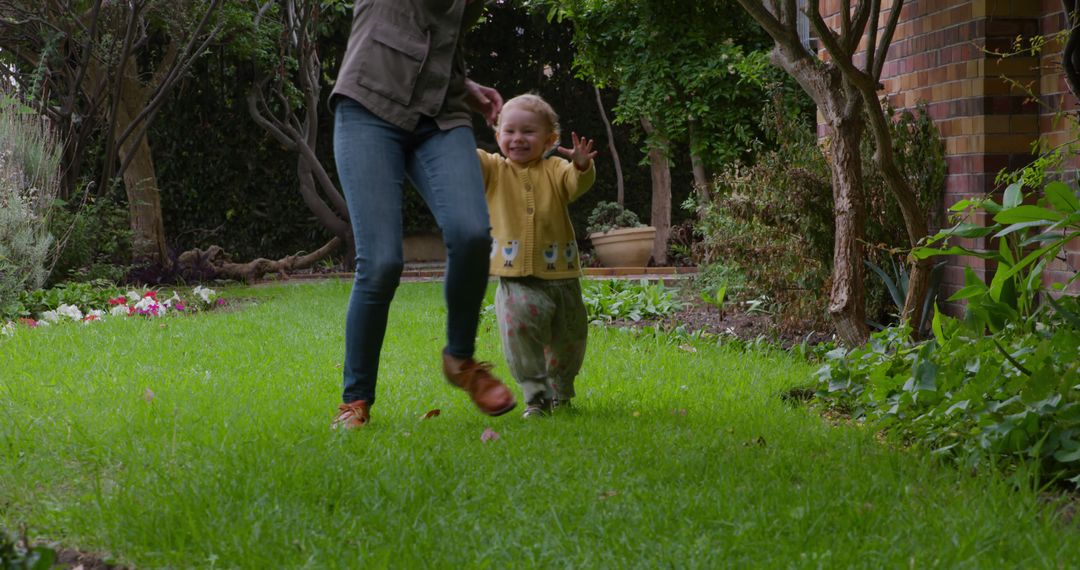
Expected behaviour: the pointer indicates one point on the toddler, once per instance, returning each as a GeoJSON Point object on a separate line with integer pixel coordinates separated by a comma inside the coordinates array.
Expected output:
{"type": "Point", "coordinates": [542, 319]}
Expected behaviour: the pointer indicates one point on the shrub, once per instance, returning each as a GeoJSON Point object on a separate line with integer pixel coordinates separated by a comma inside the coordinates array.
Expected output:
{"type": "Point", "coordinates": [766, 222]}
{"type": "Point", "coordinates": [94, 241]}
{"type": "Point", "coordinates": [607, 216]}
{"type": "Point", "coordinates": [998, 387]}
{"type": "Point", "coordinates": [29, 173]}
{"type": "Point", "coordinates": [772, 221]}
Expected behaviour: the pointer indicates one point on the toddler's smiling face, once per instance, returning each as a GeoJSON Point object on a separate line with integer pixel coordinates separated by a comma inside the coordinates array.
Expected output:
{"type": "Point", "coordinates": [523, 135]}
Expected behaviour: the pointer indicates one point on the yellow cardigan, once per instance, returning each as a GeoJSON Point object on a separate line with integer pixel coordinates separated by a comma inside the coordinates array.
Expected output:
{"type": "Point", "coordinates": [530, 223]}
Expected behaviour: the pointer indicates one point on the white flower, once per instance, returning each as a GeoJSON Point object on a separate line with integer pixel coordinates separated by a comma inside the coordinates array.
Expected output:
{"type": "Point", "coordinates": [205, 293]}
{"type": "Point", "coordinates": [49, 317]}
{"type": "Point", "coordinates": [133, 296]}
{"type": "Point", "coordinates": [70, 311]}
{"type": "Point", "coordinates": [119, 310]}
{"type": "Point", "coordinates": [174, 299]}
{"type": "Point", "coordinates": [96, 313]}
{"type": "Point", "coordinates": [150, 307]}
{"type": "Point", "coordinates": [8, 329]}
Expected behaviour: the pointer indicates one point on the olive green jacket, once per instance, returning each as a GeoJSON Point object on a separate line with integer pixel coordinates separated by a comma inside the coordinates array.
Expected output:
{"type": "Point", "coordinates": [404, 60]}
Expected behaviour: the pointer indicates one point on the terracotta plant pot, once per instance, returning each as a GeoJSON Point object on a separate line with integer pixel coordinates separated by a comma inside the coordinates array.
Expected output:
{"type": "Point", "coordinates": [624, 247]}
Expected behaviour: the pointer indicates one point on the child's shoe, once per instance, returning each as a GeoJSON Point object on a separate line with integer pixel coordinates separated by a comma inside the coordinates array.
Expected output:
{"type": "Point", "coordinates": [539, 407]}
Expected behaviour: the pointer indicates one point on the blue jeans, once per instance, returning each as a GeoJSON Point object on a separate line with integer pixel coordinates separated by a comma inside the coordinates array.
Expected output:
{"type": "Point", "coordinates": [373, 158]}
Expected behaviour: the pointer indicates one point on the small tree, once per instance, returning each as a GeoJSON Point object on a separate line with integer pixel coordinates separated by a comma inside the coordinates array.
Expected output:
{"type": "Point", "coordinates": [285, 101]}
{"type": "Point", "coordinates": [846, 96]}
{"type": "Point", "coordinates": [95, 63]}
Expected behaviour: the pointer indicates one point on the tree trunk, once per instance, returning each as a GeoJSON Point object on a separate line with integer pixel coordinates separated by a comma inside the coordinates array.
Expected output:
{"type": "Point", "coordinates": [847, 298]}
{"type": "Point", "coordinates": [619, 185]}
{"type": "Point", "coordinates": [701, 178]}
{"type": "Point", "coordinates": [140, 182]}
{"type": "Point", "coordinates": [840, 104]}
{"type": "Point", "coordinates": [660, 216]}
{"type": "Point", "coordinates": [914, 218]}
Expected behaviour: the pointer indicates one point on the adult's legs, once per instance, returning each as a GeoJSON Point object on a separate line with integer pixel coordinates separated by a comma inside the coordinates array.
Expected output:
{"type": "Point", "coordinates": [446, 171]}
{"type": "Point", "coordinates": [370, 155]}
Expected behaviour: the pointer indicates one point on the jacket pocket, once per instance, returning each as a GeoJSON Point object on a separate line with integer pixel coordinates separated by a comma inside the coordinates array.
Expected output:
{"type": "Point", "coordinates": [392, 59]}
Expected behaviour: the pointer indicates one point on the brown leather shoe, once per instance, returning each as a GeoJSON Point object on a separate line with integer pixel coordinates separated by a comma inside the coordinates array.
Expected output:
{"type": "Point", "coordinates": [353, 415]}
{"type": "Point", "coordinates": [487, 392]}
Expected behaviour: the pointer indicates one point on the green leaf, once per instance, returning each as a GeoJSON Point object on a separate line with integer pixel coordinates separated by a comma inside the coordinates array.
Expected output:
{"type": "Point", "coordinates": [968, 230]}
{"type": "Point", "coordinates": [1013, 195]}
{"type": "Point", "coordinates": [1028, 214]}
{"type": "Point", "coordinates": [1067, 456]}
{"type": "Point", "coordinates": [1062, 197]}
{"type": "Point", "coordinates": [969, 292]}
{"type": "Point", "coordinates": [936, 326]}
{"type": "Point", "coordinates": [1001, 276]}
{"type": "Point", "coordinates": [1019, 226]}
{"type": "Point", "coordinates": [925, 252]}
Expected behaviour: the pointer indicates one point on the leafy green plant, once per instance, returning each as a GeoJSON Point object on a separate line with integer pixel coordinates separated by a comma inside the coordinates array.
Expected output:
{"type": "Point", "coordinates": [617, 299]}
{"type": "Point", "coordinates": [897, 285]}
{"type": "Point", "coordinates": [997, 388]}
{"type": "Point", "coordinates": [85, 295]}
{"type": "Point", "coordinates": [1029, 236]}
{"type": "Point", "coordinates": [29, 175]}
{"type": "Point", "coordinates": [93, 240]}
{"type": "Point", "coordinates": [716, 299]}
{"type": "Point", "coordinates": [985, 401]}
{"type": "Point", "coordinates": [16, 554]}
{"type": "Point", "coordinates": [607, 216]}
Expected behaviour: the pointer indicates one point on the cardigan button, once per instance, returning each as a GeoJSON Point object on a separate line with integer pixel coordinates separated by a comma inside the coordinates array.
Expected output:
{"type": "Point", "coordinates": [530, 210]}
{"type": "Point", "coordinates": [528, 187]}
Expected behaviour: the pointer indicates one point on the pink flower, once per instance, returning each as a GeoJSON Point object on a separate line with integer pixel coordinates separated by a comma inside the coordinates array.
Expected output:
{"type": "Point", "coordinates": [151, 294]}
{"type": "Point", "coordinates": [28, 322]}
{"type": "Point", "coordinates": [121, 300]}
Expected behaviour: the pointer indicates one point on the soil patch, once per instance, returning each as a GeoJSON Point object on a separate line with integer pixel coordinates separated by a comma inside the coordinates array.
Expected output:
{"type": "Point", "coordinates": [736, 321]}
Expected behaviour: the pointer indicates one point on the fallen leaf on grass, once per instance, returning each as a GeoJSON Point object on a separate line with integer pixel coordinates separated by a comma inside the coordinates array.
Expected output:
{"type": "Point", "coordinates": [489, 435]}
{"type": "Point", "coordinates": [687, 348]}
{"type": "Point", "coordinates": [758, 441]}
{"type": "Point", "coordinates": [636, 414]}
{"type": "Point", "coordinates": [431, 414]}
{"type": "Point", "coordinates": [148, 395]}
{"type": "Point", "coordinates": [608, 494]}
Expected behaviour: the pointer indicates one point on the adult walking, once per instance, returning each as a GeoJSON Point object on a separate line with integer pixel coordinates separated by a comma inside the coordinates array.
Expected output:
{"type": "Point", "coordinates": [402, 109]}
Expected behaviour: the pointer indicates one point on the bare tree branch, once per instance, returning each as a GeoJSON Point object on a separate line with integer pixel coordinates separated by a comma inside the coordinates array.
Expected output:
{"type": "Point", "coordinates": [871, 32]}
{"type": "Point", "coordinates": [886, 39]}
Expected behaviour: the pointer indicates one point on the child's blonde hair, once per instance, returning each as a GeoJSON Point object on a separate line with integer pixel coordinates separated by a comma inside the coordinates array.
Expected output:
{"type": "Point", "coordinates": [535, 104]}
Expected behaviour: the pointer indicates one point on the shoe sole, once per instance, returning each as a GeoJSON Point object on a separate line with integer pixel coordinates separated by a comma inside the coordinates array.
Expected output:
{"type": "Point", "coordinates": [502, 411]}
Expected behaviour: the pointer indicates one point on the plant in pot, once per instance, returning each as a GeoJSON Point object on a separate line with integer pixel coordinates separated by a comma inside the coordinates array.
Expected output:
{"type": "Point", "coordinates": [619, 238]}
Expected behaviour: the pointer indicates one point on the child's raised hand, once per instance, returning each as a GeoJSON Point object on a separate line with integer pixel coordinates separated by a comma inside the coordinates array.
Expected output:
{"type": "Point", "coordinates": [582, 152]}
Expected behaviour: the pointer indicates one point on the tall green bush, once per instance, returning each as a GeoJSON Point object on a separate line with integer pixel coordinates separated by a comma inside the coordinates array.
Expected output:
{"type": "Point", "coordinates": [29, 178]}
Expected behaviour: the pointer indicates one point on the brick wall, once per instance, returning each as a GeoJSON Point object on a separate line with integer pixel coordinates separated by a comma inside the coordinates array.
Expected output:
{"type": "Point", "coordinates": [1054, 96]}
{"type": "Point", "coordinates": [943, 54]}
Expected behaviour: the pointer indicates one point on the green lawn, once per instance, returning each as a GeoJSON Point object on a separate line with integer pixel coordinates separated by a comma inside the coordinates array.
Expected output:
{"type": "Point", "coordinates": [199, 442]}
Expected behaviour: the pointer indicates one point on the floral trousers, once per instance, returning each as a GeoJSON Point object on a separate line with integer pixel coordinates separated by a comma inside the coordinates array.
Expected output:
{"type": "Point", "coordinates": [544, 327]}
